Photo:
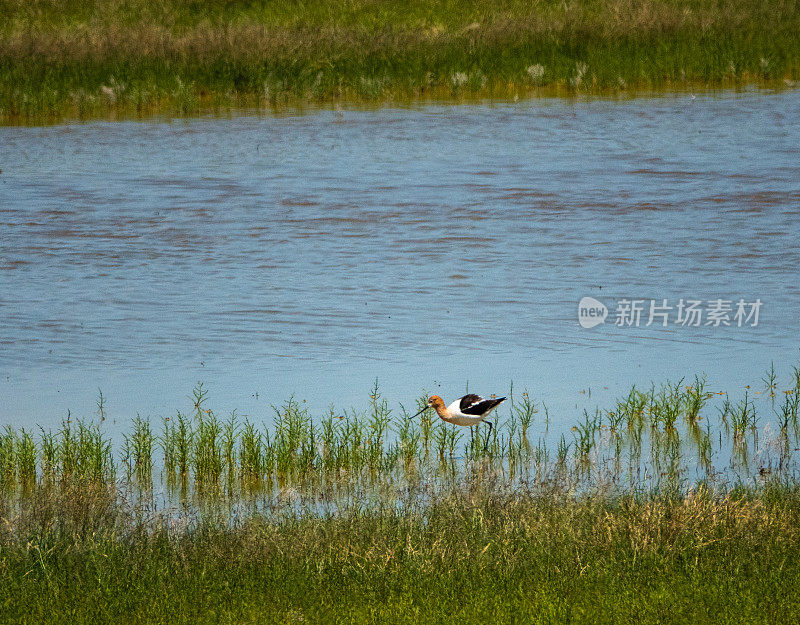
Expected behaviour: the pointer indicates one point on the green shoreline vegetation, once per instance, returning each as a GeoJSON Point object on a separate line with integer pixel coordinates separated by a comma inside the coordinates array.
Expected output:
{"type": "Point", "coordinates": [71, 59]}
{"type": "Point", "coordinates": [81, 557]}
{"type": "Point", "coordinates": [678, 504]}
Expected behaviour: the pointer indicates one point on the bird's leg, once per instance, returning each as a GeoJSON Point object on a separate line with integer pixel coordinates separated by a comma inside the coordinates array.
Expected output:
{"type": "Point", "coordinates": [486, 442]}
{"type": "Point", "coordinates": [471, 439]}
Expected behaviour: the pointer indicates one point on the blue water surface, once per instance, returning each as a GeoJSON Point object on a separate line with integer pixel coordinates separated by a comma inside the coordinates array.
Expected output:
{"type": "Point", "coordinates": [434, 247]}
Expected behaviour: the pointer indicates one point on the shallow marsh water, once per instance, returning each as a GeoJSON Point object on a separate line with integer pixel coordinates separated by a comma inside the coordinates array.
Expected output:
{"type": "Point", "coordinates": [429, 247]}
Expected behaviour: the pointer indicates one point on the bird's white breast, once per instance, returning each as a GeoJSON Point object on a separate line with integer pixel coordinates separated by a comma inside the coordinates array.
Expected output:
{"type": "Point", "coordinates": [455, 408]}
{"type": "Point", "coordinates": [459, 418]}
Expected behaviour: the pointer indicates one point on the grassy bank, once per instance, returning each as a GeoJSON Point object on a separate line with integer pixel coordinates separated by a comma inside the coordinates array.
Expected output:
{"type": "Point", "coordinates": [132, 57]}
{"type": "Point", "coordinates": [678, 504]}
{"type": "Point", "coordinates": [473, 556]}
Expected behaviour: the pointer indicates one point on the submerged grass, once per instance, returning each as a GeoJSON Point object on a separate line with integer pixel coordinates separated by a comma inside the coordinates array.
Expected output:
{"type": "Point", "coordinates": [671, 435]}
{"type": "Point", "coordinates": [133, 57]}
{"type": "Point", "coordinates": [677, 505]}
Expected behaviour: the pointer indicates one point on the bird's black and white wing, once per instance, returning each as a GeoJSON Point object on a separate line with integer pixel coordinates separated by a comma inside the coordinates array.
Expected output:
{"type": "Point", "coordinates": [477, 405]}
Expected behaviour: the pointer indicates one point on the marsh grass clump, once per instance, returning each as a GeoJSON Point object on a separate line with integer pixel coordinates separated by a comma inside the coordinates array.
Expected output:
{"type": "Point", "coordinates": [207, 459]}
{"type": "Point", "coordinates": [25, 453]}
{"type": "Point", "coordinates": [8, 461]}
{"type": "Point", "coordinates": [536, 73]}
{"type": "Point", "coordinates": [138, 452]}
{"type": "Point", "coordinates": [49, 456]}
{"type": "Point", "coordinates": [294, 442]}
{"type": "Point", "coordinates": [251, 456]}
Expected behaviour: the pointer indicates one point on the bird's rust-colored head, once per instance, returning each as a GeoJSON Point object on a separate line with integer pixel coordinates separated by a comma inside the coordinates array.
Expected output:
{"type": "Point", "coordinates": [437, 403]}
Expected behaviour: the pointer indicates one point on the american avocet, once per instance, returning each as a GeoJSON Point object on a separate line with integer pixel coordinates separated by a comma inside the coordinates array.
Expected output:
{"type": "Point", "coordinates": [467, 411]}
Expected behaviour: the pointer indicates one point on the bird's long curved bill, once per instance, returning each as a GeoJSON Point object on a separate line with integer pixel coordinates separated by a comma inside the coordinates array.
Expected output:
{"type": "Point", "coordinates": [420, 412]}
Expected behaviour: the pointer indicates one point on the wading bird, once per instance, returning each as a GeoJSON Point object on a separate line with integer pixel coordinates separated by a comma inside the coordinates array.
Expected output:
{"type": "Point", "coordinates": [467, 411]}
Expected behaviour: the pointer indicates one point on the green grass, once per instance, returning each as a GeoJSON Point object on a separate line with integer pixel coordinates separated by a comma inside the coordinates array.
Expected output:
{"type": "Point", "coordinates": [474, 555]}
{"type": "Point", "coordinates": [67, 59]}
{"type": "Point", "coordinates": [678, 504]}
